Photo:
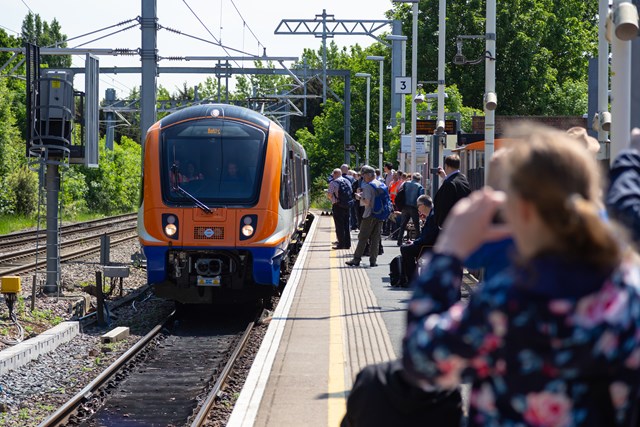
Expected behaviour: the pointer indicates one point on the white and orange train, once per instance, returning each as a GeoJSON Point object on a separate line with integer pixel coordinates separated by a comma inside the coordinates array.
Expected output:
{"type": "Point", "coordinates": [225, 197]}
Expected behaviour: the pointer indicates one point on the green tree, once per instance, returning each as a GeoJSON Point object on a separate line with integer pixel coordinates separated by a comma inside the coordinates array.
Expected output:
{"type": "Point", "coordinates": [114, 186]}
{"type": "Point", "coordinates": [542, 47]}
{"type": "Point", "coordinates": [43, 34]}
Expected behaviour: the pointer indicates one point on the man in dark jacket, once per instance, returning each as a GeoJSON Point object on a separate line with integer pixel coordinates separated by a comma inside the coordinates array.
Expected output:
{"type": "Point", "coordinates": [454, 188]}
{"type": "Point", "coordinates": [412, 190]}
{"type": "Point", "coordinates": [427, 239]}
{"type": "Point", "coordinates": [623, 196]}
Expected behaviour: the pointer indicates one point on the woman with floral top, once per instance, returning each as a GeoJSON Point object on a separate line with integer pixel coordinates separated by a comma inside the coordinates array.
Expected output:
{"type": "Point", "coordinates": [553, 340]}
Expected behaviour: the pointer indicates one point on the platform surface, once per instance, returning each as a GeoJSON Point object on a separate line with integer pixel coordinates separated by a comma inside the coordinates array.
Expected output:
{"type": "Point", "coordinates": [332, 320]}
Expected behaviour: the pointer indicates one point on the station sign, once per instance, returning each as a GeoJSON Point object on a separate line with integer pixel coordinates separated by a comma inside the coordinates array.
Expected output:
{"type": "Point", "coordinates": [428, 127]}
{"type": "Point", "coordinates": [405, 144]}
{"type": "Point", "coordinates": [403, 85]}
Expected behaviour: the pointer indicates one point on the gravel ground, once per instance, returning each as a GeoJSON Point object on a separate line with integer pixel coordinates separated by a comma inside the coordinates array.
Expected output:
{"type": "Point", "coordinates": [28, 395]}
{"type": "Point", "coordinates": [32, 393]}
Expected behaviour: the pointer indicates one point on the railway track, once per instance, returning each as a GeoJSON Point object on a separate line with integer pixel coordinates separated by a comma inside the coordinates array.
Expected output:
{"type": "Point", "coordinates": [29, 237]}
{"type": "Point", "coordinates": [22, 260]}
{"type": "Point", "coordinates": [167, 378]}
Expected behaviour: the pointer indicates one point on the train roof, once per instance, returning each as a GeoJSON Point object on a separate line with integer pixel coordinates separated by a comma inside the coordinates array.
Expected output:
{"type": "Point", "coordinates": [208, 110]}
{"type": "Point", "coordinates": [479, 145]}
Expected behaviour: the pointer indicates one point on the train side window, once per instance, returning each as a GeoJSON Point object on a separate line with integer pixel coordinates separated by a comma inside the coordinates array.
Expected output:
{"type": "Point", "coordinates": [286, 184]}
{"type": "Point", "coordinates": [299, 176]}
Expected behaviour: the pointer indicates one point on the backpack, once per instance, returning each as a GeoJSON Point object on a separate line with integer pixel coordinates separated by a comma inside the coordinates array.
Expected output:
{"type": "Point", "coordinates": [382, 206]}
{"type": "Point", "coordinates": [344, 192]}
{"type": "Point", "coordinates": [395, 272]}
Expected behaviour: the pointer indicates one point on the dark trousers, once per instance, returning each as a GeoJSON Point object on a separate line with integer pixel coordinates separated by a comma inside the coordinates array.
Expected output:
{"type": "Point", "coordinates": [341, 221]}
{"type": "Point", "coordinates": [409, 213]}
{"type": "Point", "coordinates": [410, 254]}
{"type": "Point", "coordinates": [369, 231]}
{"type": "Point", "coordinates": [353, 214]}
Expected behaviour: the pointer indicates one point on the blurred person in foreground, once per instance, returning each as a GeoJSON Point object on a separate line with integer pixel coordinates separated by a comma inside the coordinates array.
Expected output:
{"type": "Point", "coordinates": [554, 339]}
{"type": "Point", "coordinates": [623, 195]}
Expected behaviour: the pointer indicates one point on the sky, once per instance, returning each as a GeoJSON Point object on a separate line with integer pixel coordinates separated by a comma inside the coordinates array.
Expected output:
{"type": "Point", "coordinates": [249, 30]}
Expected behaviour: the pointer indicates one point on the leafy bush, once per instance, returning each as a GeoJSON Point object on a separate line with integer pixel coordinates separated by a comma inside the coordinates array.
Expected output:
{"type": "Point", "coordinates": [114, 186]}
{"type": "Point", "coordinates": [22, 195]}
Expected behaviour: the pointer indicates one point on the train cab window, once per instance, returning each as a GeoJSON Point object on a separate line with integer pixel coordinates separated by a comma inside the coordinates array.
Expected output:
{"type": "Point", "coordinates": [219, 162]}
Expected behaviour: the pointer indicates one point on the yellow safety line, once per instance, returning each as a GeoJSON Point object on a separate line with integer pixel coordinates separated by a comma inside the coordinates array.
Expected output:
{"type": "Point", "coordinates": [336, 396]}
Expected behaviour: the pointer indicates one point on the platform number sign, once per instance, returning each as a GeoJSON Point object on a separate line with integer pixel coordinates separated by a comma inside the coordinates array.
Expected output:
{"type": "Point", "coordinates": [403, 84]}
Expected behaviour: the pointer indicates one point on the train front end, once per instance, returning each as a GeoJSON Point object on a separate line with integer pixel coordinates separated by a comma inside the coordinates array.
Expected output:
{"type": "Point", "coordinates": [209, 219]}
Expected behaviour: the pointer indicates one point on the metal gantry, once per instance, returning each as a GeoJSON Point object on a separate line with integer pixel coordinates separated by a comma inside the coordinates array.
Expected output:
{"type": "Point", "coordinates": [326, 26]}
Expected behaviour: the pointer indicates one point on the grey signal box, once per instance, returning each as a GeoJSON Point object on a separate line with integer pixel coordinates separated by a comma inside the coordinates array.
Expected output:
{"type": "Point", "coordinates": [56, 110]}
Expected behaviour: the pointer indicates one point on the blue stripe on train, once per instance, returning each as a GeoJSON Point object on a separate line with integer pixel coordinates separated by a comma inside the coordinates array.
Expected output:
{"type": "Point", "coordinates": [266, 264]}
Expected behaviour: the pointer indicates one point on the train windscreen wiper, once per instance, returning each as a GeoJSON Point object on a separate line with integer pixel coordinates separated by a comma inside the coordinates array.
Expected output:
{"type": "Point", "coordinates": [176, 186]}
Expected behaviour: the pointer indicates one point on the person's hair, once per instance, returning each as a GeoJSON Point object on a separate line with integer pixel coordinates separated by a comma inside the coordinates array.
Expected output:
{"type": "Point", "coordinates": [388, 165]}
{"type": "Point", "coordinates": [400, 173]}
{"type": "Point", "coordinates": [425, 200]}
{"type": "Point", "coordinates": [336, 170]}
{"type": "Point", "coordinates": [377, 171]}
{"type": "Point", "coordinates": [367, 170]}
{"type": "Point", "coordinates": [417, 176]}
{"type": "Point", "coordinates": [562, 181]}
{"type": "Point", "coordinates": [453, 161]}
{"type": "Point", "coordinates": [344, 168]}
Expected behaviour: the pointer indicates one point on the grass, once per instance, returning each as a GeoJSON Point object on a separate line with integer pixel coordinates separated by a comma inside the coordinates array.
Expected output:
{"type": "Point", "coordinates": [11, 223]}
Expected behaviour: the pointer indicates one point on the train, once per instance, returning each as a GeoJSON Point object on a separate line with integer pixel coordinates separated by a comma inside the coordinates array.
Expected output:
{"type": "Point", "coordinates": [225, 202]}
{"type": "Point", "coordinates": [472, 161]}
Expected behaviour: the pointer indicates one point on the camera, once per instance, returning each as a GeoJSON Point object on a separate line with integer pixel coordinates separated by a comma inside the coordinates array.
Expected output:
{"type": "Point", "coordinates": [434, 170]}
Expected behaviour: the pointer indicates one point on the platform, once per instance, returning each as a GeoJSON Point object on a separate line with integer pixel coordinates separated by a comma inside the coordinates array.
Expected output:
{"type": "Point", "coordinates": [331, 321]}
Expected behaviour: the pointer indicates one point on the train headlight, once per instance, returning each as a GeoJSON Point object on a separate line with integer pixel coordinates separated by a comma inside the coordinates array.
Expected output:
{"type": "Point", "coordinates": [247, 230]}
{"type": "Point", "coordinates": [170, 229]}
{"type": "Point", "coordinates": [248, 224]}
{"type": "Point", "coordinates": [170, 225]}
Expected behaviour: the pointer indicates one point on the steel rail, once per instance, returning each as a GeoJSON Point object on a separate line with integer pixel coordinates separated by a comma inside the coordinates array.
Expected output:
{"type": "Point", "coordinates": [21, 236]}
{"type": "Point", "coordinates": [63, 257]}
{"type": "Point", "coordinates": [63, 413]}
{"type": "Point", "coordinates": [64, 244]}
{"type": "Point", "coordinates": [202, 415]}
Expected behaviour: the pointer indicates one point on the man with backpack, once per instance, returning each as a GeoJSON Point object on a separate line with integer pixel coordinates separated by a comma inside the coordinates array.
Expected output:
{"type": "Point", "coordinates": [377, 207]}
{"type": "Point", "coordinates": [411, 190]}
{"type": "Point", "coordinates": [340, 195]}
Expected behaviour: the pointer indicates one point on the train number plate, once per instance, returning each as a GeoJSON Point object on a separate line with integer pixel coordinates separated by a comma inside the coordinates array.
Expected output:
{"type": "Point", "coordinates": [209, 281]}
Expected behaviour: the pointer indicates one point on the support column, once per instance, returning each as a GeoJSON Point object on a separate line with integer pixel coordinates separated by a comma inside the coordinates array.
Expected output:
{"type": "Point", "coordinates": [149, 59]}
{"type": "Point", "coordinates": [490, 85]}
{"type": "Point", "coordinates": [52, 185]}
{"type": "Point", "coordinates": [110, 97]}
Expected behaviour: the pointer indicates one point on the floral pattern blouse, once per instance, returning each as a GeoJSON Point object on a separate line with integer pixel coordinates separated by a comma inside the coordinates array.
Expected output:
{"type": "Point", "coordinates": [555, 345]}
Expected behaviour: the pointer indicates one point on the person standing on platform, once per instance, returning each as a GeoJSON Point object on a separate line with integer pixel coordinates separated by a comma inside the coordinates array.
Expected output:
{"type": "Point", "coordinates": [455, 187]}
{"type": "Point", "coordinates": [340, 195]}
{"type": "Point", "coordinates": [370, 226]}
{"type": "Point", "coordinates": [352, 202]}
{"type": "Point", "coordinates": [388, 173]}
{"type": "Point", "coordinates": [412, 190]}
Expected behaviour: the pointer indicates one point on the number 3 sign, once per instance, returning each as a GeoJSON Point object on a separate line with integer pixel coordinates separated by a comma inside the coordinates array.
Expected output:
{"type": "Point", "coordinates": [403, 84]}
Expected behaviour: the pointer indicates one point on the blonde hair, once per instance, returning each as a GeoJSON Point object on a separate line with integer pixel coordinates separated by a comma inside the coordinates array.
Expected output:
{"type": "Point", "coordinates": [559, 177]}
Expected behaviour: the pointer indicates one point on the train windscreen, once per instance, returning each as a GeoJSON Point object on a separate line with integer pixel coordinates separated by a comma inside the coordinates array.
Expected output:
{"type": "Point", "coordinates": [218, 162]}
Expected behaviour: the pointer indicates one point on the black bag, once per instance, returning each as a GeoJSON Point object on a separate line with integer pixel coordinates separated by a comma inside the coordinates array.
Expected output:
{"type": "Point", "coordinates": [383, 396]}
{"type": "Point", "coordinates": [344, 192]}
{"type": "Point", "coordinates": [395, 272]}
